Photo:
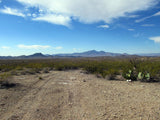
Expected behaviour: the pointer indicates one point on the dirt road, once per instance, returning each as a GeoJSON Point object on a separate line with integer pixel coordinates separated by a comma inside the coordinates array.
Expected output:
{"type": "Point", "coordinates": [74, 95]}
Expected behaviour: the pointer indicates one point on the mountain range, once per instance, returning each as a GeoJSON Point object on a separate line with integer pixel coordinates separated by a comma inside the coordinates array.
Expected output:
{"type": "Point", "coordinates": [91, 53]}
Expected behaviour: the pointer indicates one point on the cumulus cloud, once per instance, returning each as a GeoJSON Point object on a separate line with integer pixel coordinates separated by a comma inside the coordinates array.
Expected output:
{"type": "Point", "coordinates": [55, 19]}
{"type": "Point", "coordinates": [33, 46]}
{"type": "Point", "coordinates": [86, 11]}
{"type": "Point", "coordinates": [58, 48]}
{"type": "Point", "coordinates": [5, 47]}
{"type": "Point", "coordinates": [103, 26]}
{"type": "Point", "coordinates": [156, 39]}
{"type": "Point", "coordinates": [11, 11]}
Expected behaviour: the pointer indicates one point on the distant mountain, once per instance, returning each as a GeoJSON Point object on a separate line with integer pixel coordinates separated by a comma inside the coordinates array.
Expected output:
{"type": "Point", "coordinates": [91, 53]}
{"type": "Point", "coordinates": [5, 57]}
{"type": "Point", "coordinates": [36, 55]}
{"type": "Point", "coordinates": [150, 54]}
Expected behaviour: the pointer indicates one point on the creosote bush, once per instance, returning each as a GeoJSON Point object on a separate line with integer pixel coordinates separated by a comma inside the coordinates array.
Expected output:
{"type": "Point", "coordinates": [143, 70]}
{"type": "Point", "coordinates": [4, 76]}
{"type": "Point", "coordinates": [109, 67]}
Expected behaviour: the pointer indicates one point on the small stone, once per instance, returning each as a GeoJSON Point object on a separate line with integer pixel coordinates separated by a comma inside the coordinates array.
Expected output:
{"type": "Point", "coordinates": [84, 81]}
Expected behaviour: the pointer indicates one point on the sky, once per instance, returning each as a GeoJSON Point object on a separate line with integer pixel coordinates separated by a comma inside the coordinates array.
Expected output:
{"type": "Point", "coordinates": [68, 26]}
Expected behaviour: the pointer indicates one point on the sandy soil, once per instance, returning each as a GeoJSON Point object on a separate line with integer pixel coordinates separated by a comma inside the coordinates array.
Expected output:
{"type": "Point", "coordinates": [74, 95]}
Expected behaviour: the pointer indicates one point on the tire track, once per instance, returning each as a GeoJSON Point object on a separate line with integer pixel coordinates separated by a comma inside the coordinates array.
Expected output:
{"type": "Point", "coordinates": [17, 112]}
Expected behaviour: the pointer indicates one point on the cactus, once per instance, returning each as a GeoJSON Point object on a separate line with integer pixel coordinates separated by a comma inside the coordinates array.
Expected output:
{"type": "Point", "coordinates": [147, 76]}
{"type": "Point", "coordinates": [144, 77]}
{"type": "Point", "coordinates": [128, 75]}
{"type": "Point", "coordinates": [140, 75]}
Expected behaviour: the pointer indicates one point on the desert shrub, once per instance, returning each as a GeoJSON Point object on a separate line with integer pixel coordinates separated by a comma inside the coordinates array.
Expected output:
{"type": "Point", "coordinates": [19, 68]}
{"type": "Point", "coordinates": [144, 71]}
{"type": "Point", "coordinates": [40, 78]}
{"type": "Point", "coordinates": [103, 73]}
{"type": "Point", "coordinates": [46, 70]}
{"type": "Point", "coordinates": [100, 66]}
{"type": "Point", "coordinates": [4, 76]}
{"type": "Point", "coordinates": [103, 68]}
{"type": "Point", "coordinates": [59, 67]}
{"type": "Point", "coordinates": [112, 73]}
{"type": "Point", "coordinates": [151, 69]}
{"type": "Point", "coordinates": [4, 83]}
{"type": "Point", "coordinates": [91, 68]}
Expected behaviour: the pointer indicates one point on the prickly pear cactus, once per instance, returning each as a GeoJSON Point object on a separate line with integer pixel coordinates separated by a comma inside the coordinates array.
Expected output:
{"type": "Point", "coordinates": [144, 77]}
{"type": "Point", "coordinates": [140, 75]}
{"type": "Point", "coordinates": [128, 75]}
{"type": "Point", "coordinates": [147, 76]}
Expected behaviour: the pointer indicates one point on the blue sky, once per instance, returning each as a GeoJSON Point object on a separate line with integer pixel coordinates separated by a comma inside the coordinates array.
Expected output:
{"type": "Point", "coordinates": [67, 26]}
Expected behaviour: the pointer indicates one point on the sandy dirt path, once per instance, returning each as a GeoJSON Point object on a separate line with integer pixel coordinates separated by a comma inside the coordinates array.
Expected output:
{"type": "Point", "coordinates": [73, 95]}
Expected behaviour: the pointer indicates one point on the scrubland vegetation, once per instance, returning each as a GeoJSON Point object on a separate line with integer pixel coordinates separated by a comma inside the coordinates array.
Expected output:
{"type": "Point", "coordinates": [137, 68]}
{"type": "Point", "coordinates": [89, 85]}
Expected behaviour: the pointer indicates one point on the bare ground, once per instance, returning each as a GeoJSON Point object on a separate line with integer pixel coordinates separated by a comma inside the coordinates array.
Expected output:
{"type": "Point", "coordinates": [73, 95]}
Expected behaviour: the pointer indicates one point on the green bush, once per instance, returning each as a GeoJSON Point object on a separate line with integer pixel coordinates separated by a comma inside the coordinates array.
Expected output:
{"type": "Point", "coordinates": [4, 77]}
{"type": "Point", "coordinates": [100, 66]}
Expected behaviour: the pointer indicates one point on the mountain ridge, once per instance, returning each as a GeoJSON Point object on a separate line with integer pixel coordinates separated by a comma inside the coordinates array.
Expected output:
{"type": "Point", "coordinates": [91, 53]}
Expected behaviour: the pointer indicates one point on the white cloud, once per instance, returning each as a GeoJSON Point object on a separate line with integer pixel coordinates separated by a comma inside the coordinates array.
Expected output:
{"type": "Point", "coordinates": [131, 29]}
{"type": "Point", "coordinates": [157, 14]}
{"type": "Point", "coordinates": [147, 25]}
{"type": "Point", "coordinates": [142, 19]}
{"type": "Point", "coordinates": [5, 47]}
{"type": "Point", "coordinates": [133, 16]}
{"type": "Point", "coordinates": [86, 11]}
{"type": "Point", "coordinates": [33, 46]}
{"type": "Point", "coordinates": [54, 19]}
{"type": "Point", "coordinates": [58, 48]}
{"type": "Point", "coordinates": [34, 15]}
{"type": "Point", "coordinates": [12, 11]}
{"type": "Point", "coordinates": [103, 26]}
{"type": "Point", "coordinates": [156, 39]}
